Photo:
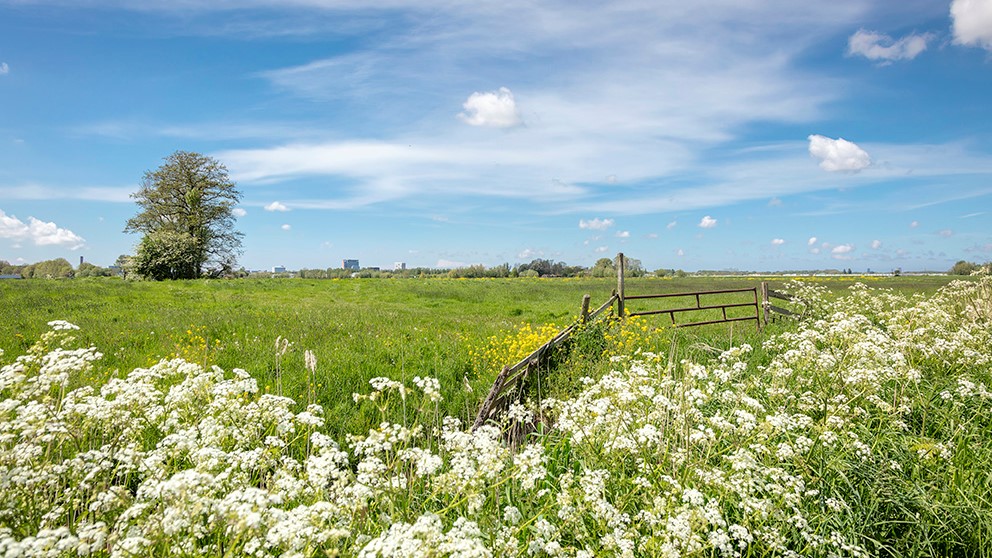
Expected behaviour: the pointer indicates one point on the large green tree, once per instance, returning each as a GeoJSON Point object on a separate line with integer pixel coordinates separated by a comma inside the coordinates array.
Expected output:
{"type": "Point", "coordinates": [187, 218]}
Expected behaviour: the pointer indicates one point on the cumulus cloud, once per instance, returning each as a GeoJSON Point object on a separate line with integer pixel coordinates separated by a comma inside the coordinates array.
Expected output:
{"type": "Point", "coordinates": [276, 206]}
{"type": "Point", "coordinates": [601, 249]}
{"type": "Point", "coordinates": [972, 23]}
{"type": "Point", "coordinates": [838, 155]}
{"type": "Point", "coordinates": [679, 252]}
{"type": "Point", "coordinates": [623, 234]}
{"type": "Point", "coordinates": [876, 244]}
{"type": "Point", "coordinates": [707, 222]}
{"type": "Point", "coordinates": [878, 46]}
{"type": "Point", "coordinates": [286, 227]}
{"type": "Point", "coordinates": [914, 224]}
{"type": "Point", "coordinates": [811, 241]}
{"type": "Point", "coordinates": [238, 212]}
{"type": "Point", "coordinates": [596, 224]}
{"type": "Point", "coordinates": [672, 225]}
{"type": "Point", "coordinates": [39, 232]}
{"type": "Point", "coordinates": [842, 252]}
{"type": "Point", "coordinates": [4, 69]}
{"type": "Point", "coordinates": [496, 109]}
{"type": "Point", "coordinates": [778, 241]}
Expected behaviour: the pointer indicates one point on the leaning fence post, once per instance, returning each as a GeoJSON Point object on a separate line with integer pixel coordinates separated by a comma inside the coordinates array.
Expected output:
{"type": "Point", "coordinates": [585, 308]}
{"type": "Point", "coordinates": [620, 305]}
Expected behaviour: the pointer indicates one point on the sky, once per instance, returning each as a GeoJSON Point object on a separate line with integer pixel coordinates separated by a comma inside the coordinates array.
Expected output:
{"type": "Point", "coordinates": [714, 134]}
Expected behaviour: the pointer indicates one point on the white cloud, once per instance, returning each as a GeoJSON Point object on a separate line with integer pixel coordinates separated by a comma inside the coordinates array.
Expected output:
{"type": "Point", "coordinates": [276, 206]}
{"type": "Point", "coordinates": [286, 227]}
{"type": "Point", "coordinates": [778, 241]}
{"type": "Point", "coordinates": [972, 23]}
{"type": "Point", "coordinates": [946, 233]}
{"type": "Point", "coordinates": [4, 69]}
{"type": "Point", "coordinates": [239, 212]}
{"type": "Point", "coordinates": [914, 224]}
{"type": "Point", "coordinates": [838, 155]}
{"type": "Point", "coordinates": [811, 241]}
{"type": "Point", "coordinates": [679, 252]}
{"type": "Point", "coordinates": [707, 222]}
{"type": "Point", "coordinates": [623, 234]}
{"type": "Point", "coordinates": [496, 109]}
{"type": "Point", "coordinates": [775, 202]}
{"type": "Point", "coordinates": [878, 46]}
{"type": "Point", "coordinates": [651, 235]}
{"type": "Point", "coordinates": [39, 232]}
{"type": "Point", "coordinates": [528, 254]}
{"type": "Point", "coordinates": [601, 249]}
{"type": "Point", "coordinates": [672, 225]}
{"type": "Point", "coordinates": [876, 244]}
{"type": "Point", "coordinates": [596, 224]}
{"type": "Point", "coordinates": [842, 252]}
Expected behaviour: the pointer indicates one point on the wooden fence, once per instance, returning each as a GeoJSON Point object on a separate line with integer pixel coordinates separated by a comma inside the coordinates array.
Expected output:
{"type": "Point", "coordinates": [511, 383]}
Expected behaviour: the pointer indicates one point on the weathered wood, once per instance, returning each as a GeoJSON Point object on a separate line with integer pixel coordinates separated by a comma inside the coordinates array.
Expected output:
{"type": "Point", "coordinates": [780, 310]}
{"type": "Point", "coordinates": [620, 293]}
{"type": "Point", "coordinates": [601, 309]}
{"type": "Point", "coordinates": [780, 296]}
{"type": "Point", "coordinates": [487, 405]}
{"type": "Point", "coordinates": [585, 309]}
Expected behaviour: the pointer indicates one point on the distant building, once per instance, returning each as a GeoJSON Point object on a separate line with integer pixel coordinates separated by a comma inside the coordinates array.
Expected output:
{"type": "Point", "coordinates": [399, 266]}
{"type": "Point", "coordinates": [279, 269]}
{"type": "Point", "coordinates": [350, 264]}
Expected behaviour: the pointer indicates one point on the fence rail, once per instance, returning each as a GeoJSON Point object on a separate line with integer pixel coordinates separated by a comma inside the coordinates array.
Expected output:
{"type": "Point", "coordinates": [701, 307]}
{"type": "Point", "coordinates": [510, 382]}
{"type": "Point", "coordinates": [772, 310]}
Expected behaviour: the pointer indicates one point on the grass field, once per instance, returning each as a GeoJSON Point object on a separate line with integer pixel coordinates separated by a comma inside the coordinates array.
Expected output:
{"type": "Point", "coordinates": [863, 430]}
{"type": "Point", "coordinates": [357, 329]}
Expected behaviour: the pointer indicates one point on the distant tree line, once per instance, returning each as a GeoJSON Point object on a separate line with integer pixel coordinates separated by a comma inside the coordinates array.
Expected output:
{"type": "Point", "coordinates": [967, 268]}
{"type": "Point", "coordinates": [59, 268]}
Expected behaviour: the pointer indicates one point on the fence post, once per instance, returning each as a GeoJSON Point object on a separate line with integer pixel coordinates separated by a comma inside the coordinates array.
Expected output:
{"type": "Point", "coordinates": [620, 304]}
{"type": "Point", "coordinates": [585, 308]}
{"type": "Point", "coordinates": [764, 300]}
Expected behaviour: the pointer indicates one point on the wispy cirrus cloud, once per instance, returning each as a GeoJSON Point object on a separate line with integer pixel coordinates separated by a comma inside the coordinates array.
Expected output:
{"type": "Point", "coordinates": [880, 47]}
{"type": "Point", "coordinates": [36, 191]}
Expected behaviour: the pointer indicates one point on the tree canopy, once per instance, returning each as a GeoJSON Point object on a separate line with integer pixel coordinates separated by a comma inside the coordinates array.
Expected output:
{"type": "Point", "coordinates": [187, 218]}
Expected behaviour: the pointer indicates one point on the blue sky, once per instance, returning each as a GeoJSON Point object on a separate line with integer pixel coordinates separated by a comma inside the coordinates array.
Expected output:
{"type": "Point", "coordinates": [721, 134]}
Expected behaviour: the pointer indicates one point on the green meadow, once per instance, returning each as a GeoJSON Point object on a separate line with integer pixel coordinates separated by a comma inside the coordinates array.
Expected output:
{"type": "Point", "coordinates": [357, 329]}
{"type": "Point", "coordinates": [862, 431]}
